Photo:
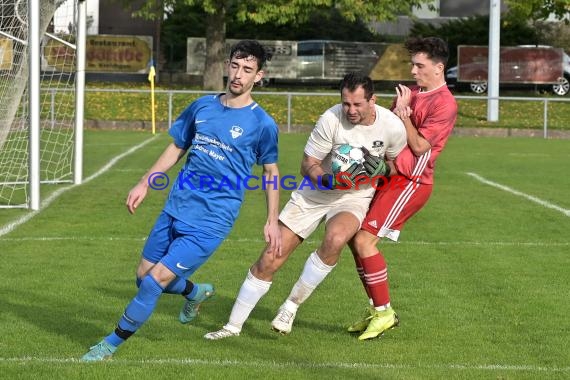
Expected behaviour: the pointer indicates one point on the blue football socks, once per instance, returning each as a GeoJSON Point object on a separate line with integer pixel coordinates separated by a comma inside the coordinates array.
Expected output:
{"type": "Point", "coordinates": [138, 311]}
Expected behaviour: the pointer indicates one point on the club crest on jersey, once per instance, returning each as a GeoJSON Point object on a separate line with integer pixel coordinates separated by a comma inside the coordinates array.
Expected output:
{"type": "Point", "coordinates": [377, 144]}
{"type": "Point", "coordinates": [236, 131]}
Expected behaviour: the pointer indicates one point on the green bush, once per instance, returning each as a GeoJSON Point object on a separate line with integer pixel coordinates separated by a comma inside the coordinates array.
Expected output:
{"type": "Point", "coordinates": [124, 104]}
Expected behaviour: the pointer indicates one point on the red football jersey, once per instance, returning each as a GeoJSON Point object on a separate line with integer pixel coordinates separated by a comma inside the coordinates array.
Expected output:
{"type": "Point", "coordinates": [434, 115]}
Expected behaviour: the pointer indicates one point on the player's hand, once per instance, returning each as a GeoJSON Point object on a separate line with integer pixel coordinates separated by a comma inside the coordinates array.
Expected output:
{"type": "Point", "coordinates": [355, 170]}
{"type": "Point", "coordinates": [403, 96]}
{"type": "Point", "coordinates": [272, 234]}
{"type": "Point", "coordinates": [403, 113]}
{"type": "Point", "coordinates": [136, 196]}
{"type": "Point", "coordinates": [325, 182]}
{"type": "Point", "coordinates": [375, 166]}
{"type": "Point", "coordinates": [349, 177]}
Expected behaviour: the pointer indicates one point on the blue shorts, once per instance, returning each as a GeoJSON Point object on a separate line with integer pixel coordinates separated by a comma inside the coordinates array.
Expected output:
{"type": "Point", "coordinates": [178, 246]}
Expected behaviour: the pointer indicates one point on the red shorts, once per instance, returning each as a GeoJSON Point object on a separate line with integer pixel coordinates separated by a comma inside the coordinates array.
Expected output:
{"type": "Point", "coordinates": [393, 204]}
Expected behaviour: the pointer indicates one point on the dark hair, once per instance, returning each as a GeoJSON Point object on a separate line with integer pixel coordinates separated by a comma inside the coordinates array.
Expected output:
{"type": "Point", "coordinates": [353, 80]}
{"type": "Point", "coordinates": [435, 48]}
{"type": "Point", "coordinates": [249, 48]}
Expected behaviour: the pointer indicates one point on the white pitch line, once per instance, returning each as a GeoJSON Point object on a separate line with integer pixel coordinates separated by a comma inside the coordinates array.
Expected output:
{"type": "Point", "coordinates": [520, 194]}
{"type": "Point", "coordinates": [53, 196]}
{"type": "Point", "coordinates": [308, 241]}
{"type": "Point", "coordinates": [292, 365]}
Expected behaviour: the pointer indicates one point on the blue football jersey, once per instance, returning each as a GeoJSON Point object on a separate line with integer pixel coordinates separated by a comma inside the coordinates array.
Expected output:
{"type": "Point", "coordinates": [223, 144]}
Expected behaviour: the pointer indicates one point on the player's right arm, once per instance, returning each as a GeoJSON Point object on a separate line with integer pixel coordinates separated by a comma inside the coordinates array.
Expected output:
{"type": "Point", "coordinates": [311, 168]}
{"type": "Point", "coordinates": [319, 145]}
{"type": "Point", "coordinates": [167, 160]}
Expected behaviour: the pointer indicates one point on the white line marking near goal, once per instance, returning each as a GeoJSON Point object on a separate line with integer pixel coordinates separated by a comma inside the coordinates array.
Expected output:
{"type": "Point", "coordinates": [293, 365]}
{"type": "Point", "coordinates": [491, 243]}
{"type": "Point", "coordinates": [309, 241]}
{"type": "Point", "coordinates": [72, 238]}
{"type": "Point", "coordinates": [520, 194]}
{"type": "Point", "coordinates": [133, 170]}
{"type": "Point", "coordinates": [53, 196]}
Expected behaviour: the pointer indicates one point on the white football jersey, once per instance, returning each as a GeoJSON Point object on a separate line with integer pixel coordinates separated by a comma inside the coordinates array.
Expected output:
{"type": "Point", "coordinates": [385, 138]}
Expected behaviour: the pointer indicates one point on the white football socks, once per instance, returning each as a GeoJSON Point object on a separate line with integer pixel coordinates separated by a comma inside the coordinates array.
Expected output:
{"type": "Point", "coordinates": [249, 295]}
{"type": "Point", "coordinates": [314, 272]}
{"type": "Point", "coordinates": [382, 307]}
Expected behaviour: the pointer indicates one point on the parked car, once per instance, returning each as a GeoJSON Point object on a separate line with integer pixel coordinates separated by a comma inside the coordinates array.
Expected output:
{"type": "Point", "coordinates": [561, 87]}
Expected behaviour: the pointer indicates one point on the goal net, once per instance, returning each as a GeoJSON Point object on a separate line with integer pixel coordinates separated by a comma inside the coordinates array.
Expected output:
{"type": "Point", "coordinates": [57, 94]}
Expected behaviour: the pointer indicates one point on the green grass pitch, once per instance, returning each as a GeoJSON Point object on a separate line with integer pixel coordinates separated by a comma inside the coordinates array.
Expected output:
{"type": "Point", "coordinates": [479, 278]}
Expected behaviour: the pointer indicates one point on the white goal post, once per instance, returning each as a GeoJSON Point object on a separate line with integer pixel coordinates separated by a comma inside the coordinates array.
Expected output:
{"type": "Point", "coordinates": [42, 80]}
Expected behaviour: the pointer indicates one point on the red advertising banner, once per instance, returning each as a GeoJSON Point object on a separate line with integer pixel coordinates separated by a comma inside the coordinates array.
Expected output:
{"type": "Point", "coordinates": [104, 53]}
{"type": "Point", "coordinates": [517, 64]}
{"type": "Point", "coordinates": [119, 54]}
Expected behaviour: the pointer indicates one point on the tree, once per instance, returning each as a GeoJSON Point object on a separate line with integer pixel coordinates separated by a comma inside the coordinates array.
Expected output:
{"type": "Point", "coordinates": [185, 21]}
{"type": "Point", "coordinates": [278, 12]}
{"type": "Point", "coordinates": [557, 34]}
{"type": "Point", "coordinates": [324, 25]}
{"type": "Point", "coordinates": [538, 10]}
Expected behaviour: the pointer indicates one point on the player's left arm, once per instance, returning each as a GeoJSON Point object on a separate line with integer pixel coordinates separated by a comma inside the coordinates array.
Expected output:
{"type": "Point", "coordinates": [271, 230]}
{"type": "Point", "coordinates": [439, 122]}
{"type": "Point", "coordinates": [417, 143]}
{"type": "Point", "coordinates": [436, 125]}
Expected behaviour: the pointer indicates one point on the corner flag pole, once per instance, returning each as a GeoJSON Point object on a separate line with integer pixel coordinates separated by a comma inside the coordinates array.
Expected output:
{"type": "Point", "coordinates": [151, 75]}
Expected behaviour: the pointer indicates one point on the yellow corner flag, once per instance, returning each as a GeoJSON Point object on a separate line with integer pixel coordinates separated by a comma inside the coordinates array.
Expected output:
{"type": "Point", "coordinates": [151, 75]}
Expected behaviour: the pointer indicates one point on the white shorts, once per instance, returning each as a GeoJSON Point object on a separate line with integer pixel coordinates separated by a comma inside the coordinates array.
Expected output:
{"type": "Point", "coordinates": [302, 215]}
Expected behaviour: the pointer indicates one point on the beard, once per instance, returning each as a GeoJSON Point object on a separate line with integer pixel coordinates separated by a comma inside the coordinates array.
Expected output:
{"type": "Point", "coordinates": [240, 89]}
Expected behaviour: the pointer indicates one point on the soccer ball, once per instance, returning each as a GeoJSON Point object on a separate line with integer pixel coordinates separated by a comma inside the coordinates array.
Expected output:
{"type": "Point", "coordinates": [343, 156]}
